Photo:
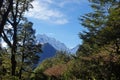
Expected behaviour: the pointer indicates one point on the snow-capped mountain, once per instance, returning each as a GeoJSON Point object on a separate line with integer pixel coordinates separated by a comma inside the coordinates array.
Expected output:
{"type": "Point", "coordinates": [74, 50]}
{"type": "Point", "coordinates": [50, 46]}
{"type": "Point", "coordinates": [52, 41]}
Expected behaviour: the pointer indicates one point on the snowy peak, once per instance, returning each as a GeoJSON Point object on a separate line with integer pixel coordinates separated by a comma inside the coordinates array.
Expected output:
{"type": "Point", "coordinates": [50, 46]}
{"type": "Point", "coordinates": [74, 50]}
{"type": "Point", "coordinates": [52, 41]}
{"type": "Point", "coordinates": [43, 39]}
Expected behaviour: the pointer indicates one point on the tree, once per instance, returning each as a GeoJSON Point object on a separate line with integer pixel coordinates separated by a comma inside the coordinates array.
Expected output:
{"type": "Point", "coordinates": [28, 49]}
{"type": "Point", "coordinates": [98, 26]}
{"type": "Point", "coordinates": [52, 68]}
{"type": "Point", "coordinates": [14, 18]}
{"type": "Point", "coordinates": [101, 42]}
{"type": "Point", "coordinates": [4, 64]}
{"type": "Point", "coordinates": [5, 8]}
{"type": "Point", "coordinates": [113, 28]}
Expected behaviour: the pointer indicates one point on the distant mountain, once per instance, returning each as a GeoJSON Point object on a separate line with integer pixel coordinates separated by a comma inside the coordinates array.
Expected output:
{"type": "Point", "coordinates": [74, 50]}
{"type": "Point", "coordinates": [50, 46]}
{"type": "Point", "coordinates": [48, 51]}
{"type": "Point", "coordinates": [52, 41]}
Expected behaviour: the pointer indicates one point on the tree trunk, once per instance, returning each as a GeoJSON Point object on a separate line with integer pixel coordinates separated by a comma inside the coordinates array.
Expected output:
{"type": "Point", "coordinates": [5, 15]}
{"type": "Point", "coordinates": [14, 48]}
{"type": "Point", "coordinates": [13, 62]}
{"type": "Point", "coordinates": [20, 72]}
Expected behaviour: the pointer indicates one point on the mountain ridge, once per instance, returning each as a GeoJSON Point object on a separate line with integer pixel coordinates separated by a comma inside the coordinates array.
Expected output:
{"type": "Point", "coordinates": [50, 46]}
{"type": "Point", "coordinates": [42, 38]}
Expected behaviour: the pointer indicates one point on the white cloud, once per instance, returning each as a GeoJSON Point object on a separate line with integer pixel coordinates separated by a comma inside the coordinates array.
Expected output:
{"type": "Point", "coordinates": [43, 11]}
{"type": "Point", "coordinates": [49, 10]}
{"type": "Point", "coordinates": [63, 3]}
{"type": "Point", "coordinates": [63, 21]}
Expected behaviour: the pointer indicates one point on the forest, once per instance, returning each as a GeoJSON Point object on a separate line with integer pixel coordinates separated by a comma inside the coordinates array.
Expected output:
{"type": "Point", "coordinates": [98, 57]}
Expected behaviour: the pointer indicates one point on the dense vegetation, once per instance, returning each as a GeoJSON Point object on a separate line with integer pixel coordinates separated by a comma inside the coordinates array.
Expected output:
{"type": "Point", "coordinates": [98, 57]}
{"type": "Point", "coordinates": [20, 55]}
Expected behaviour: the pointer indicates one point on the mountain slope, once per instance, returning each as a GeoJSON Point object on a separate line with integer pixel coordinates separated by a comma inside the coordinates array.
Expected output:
{"type": "Point", "coordinates": [50, 46]}
{"type": "Point", "coordinates": [52, 41]}
{"type": "Point", "coordinates": [74, 50]}
{"type": "Point", "coordinates": [48, 51]}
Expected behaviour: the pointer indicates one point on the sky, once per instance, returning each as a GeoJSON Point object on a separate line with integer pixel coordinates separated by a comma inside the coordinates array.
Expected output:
{"type": "Point", "coordinates": [59, 19]}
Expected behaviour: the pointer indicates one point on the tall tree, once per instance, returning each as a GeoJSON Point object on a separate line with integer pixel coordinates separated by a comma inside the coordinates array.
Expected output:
{"type": "Point", "coordinates": [5, 8]}
{"type": "Point", "coordinates": [101, 40]}
{"type": "Point", "coordinates": [97, 23]}
{"type": "Point", "coordinates": [27, 47]}
{"type": "Point", "coordinates": [15, 16]}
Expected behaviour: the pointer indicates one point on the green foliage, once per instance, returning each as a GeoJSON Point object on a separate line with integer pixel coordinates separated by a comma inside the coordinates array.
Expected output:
{"type": "Point", "coordinates": [27, 50]}
{"type": "Point", "coordinates": [12, 12]}
{"type": "Point", "coordinates": [74, 66]}
{"type": "Point", "coordinates": [102, 27]}
{"type": "Point", "coordinates": [99, 51]}
{"type": "Point", "coordinates": [98, 57]}
{"type": "Point", "coordinates": [51, 64]}
{"type": "Point", "coordinates": [26, 53]}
